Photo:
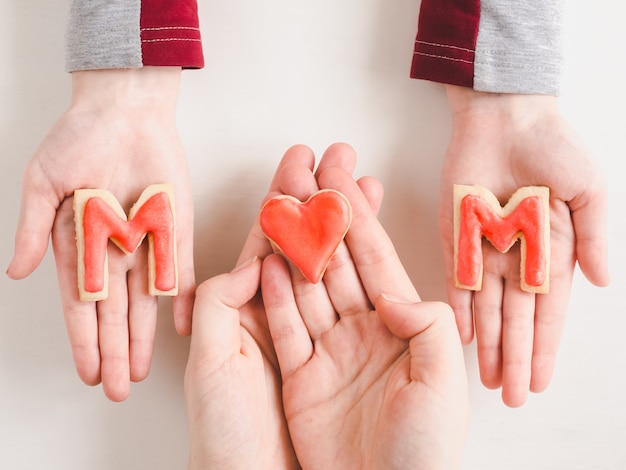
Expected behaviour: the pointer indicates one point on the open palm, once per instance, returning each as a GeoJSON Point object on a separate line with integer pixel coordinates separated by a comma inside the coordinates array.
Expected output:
{"type": "Point", "coordinates": [504, 143]}
{"type": "Point", "coordinates": [112, 137]}
{"type": "Point", "coordinates": [368, 381]}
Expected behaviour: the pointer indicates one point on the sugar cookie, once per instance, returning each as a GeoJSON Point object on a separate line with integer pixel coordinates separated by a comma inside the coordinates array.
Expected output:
{"type": "Point", "coordinates": [477, 214]}
{"type": "Point", "coordinates": [99, 217]}
{"type": "Point", "coordinates": [307, 233]}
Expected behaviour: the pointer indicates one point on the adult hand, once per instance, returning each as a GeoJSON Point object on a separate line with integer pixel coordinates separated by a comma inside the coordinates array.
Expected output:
{"type": "Point", "coordinates": [368, 381]}
{"type": "Point", "coordinates": [232, 382]}
{"type": "Point", "coordinates": [119, 134]}
{"type": "Point", "coordinates": [504, 142]}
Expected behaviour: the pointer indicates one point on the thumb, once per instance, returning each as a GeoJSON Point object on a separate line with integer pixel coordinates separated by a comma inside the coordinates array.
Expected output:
{"type": "Point", "coordinates": [431, 330]}
{"type": "Point", "coordinates": [407, 319]}
{"type": "Point", "coordinates": [37, 213]}
{"type": "Point", "coordinates": [215, 322]}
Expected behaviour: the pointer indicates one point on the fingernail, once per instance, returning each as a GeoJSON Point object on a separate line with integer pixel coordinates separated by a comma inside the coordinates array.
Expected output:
{"type": "Point", "coordinates": [245, 264]}
{"type": "Point", "coordinates": [396, 300]}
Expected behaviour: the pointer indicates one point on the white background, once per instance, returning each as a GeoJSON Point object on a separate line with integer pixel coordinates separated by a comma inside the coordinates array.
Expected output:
{"type": "Point", "coordinates": [281, 72]}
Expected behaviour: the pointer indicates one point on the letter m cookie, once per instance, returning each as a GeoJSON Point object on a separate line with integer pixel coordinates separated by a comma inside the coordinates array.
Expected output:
{"type": "Point", "coordinates": [478, 214]}
{"type": "Point", "coordinates": [99, 217]}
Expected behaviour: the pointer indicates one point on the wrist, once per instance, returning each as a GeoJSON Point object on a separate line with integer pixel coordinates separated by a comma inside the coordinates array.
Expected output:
{"type": "Point", "coordinates": [483, 107]}
{"type": "Point", "coordinates": [154, 88]}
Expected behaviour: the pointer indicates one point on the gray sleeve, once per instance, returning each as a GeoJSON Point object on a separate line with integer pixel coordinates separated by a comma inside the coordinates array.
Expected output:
{"type": "Point", "coordinates": [519, 47]}
{"type": "Point", "coordinates": [103, 34]}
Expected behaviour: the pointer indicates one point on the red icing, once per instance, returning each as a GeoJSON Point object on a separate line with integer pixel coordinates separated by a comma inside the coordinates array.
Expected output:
{"type": "Point", "coordinates": [100, 222]}
{"type": "Point", "coordinates": [478, 218]}
{"type": "Point", "coordinates": [307, 233]}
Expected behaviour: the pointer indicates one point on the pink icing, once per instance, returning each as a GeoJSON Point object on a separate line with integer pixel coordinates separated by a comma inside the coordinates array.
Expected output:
{"type": "Point", "coordinates": [479, 219]}
{"type": "Point", "coordinates": [307, 233]}
{"type": "Point", "coordinates": [100, 222]}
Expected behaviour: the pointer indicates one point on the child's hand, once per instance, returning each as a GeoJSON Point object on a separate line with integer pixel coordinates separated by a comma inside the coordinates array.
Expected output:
{"type": "Point", "coordinates": [119, 134]}
{"type": "Point", "coordinates": [504, 142]}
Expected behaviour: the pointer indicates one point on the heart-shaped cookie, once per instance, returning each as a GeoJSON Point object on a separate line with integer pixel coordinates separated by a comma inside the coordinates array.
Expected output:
{"type": "Point", "coordinates": [307, 233]}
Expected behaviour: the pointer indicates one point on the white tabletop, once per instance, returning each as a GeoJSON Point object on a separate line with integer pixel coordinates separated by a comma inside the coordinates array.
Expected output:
{"type": "Point", "coordinates": [279, 73]}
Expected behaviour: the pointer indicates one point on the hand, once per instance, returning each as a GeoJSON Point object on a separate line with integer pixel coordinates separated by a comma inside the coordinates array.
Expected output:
{"type": "Point", "coordinates": [119, 134]}
{"type": "Point", "coordinates": [504, 142]}
{"type": "Point", "coordinates": [232, 385]}
{"type": "Point", "coordinates": [368, 382]}
{"type": "Point", "coordinates": [232, 381]}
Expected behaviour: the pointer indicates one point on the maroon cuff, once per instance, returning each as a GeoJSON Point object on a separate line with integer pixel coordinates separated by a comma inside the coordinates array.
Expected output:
{"type": "Point", "coordinates": [170, 33]}
{"type": "Point", "coordinates": [446, 41]}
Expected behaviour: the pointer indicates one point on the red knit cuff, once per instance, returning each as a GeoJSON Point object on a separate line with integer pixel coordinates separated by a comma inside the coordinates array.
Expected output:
{"type": "Point", "coordinates": [446, 41]}
{"type": "Point", "coordinates": [170, 33]}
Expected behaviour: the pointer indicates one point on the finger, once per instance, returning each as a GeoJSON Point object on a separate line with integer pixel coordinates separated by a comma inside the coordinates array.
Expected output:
{"type": "Point", "coordinates": [37, 213]}
{"type": "Point", "coordinates": [346, 293]}
{"type": "Point", "coordinates": [550, 317]}
{"type": "Point", "coordinates": [549, 326]}
{"type": "Point", "coordinates": [80, 317]}
{"type": "Point", "coordinates": [406, 319]}
{"type": "Point", "coordinates": [313, 303]}
{"type": "Point", "coordinates": [373, 191]}
{"type": "Point", "coordinates": [518, 309]}
{"type": "Point", "coordinates": [82, 330]}
{"type": "Point", "coordinates": [298, 156]}
{"type": "Point", "coordinates": [142, 318]}
{"type": "Point", "coordinates": [182, 304]}
{"type": "Point", "coordinates": [590, 225]}
{"type": "Point", "coordinates": [113, 330]}
{"type": "Point", "coordinates": [289, 333]}
{"type": "Point", "coordinates": [340, 155]}
{"type": "Point", "coordinates": [342, 279]}
{"type": "Point", "coordinates": [371, 248]}
{"type": "Point", "coordinates": [488, 317]}
{"type": "Point", "coordinates": [216, 335]}
{"type": "Point", "coordinates": [461, 300]}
